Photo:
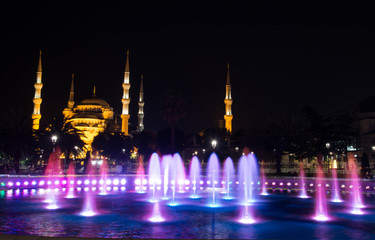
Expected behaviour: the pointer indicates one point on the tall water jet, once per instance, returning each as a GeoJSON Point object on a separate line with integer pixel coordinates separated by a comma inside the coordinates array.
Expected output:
{"type": "Point", "coordinates": [154, 175]}
{"type": "Point", "coordinates": [245, 173]}
{"type": "Point", "coordinates": [140, 174]}
{"type": "Point", "coordinates": [103, 177]}
{"type": "Point", "coordinates": [156, 214]}
{"type": "Point", "coordinates": [264, 187]}
{"type": "Point", "coordinates": [53, 170]}
{"type": "Point", "coordinates": [335, 197]}
{"type": "Point", "coordinates": [356, 202]}
{"type": "Point", "coordinates": [213, 170]}
{"type": "Point", "coordinates": [167, 161]}
{"type": "Point", "coordinates": [89, 206]}
{"type": "Point", "coordinates": [71, 180]}
{"type": "Point", "coordinates": [228, 176]}
{"type": "Point", "coordinates": [321, 211]}
{"type": "Point", "coordinates": [302, 184]}
{"type": "Point", "coordinates": [179, 171]}
{"type": "Point", "coordinates": [194, 174]}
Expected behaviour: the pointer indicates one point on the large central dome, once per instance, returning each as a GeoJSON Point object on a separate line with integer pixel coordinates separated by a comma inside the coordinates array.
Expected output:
{"type": "Point", "coordinates": [94, 101]}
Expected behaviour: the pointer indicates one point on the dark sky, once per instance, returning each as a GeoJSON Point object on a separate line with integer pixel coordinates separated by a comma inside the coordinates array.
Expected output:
{"type": "Point", "coordinates": [282, 56]}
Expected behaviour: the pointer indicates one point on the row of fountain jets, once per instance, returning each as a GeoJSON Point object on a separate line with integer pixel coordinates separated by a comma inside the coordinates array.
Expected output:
{"type": "Point", "coordinates": [167, 172]}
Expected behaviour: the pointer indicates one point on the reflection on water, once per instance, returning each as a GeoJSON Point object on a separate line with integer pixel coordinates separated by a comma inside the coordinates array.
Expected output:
{"type": "Point", "coordinates": [125, 214]}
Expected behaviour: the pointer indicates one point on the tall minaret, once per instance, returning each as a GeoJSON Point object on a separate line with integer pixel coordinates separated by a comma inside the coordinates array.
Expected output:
{"type": "Point", "coordinates": [126, 98]}
{"type": "Point", "coordinates": [141, 103]}
{"type": "Point", "coordinates": [228, 104]}
{"type": "Point", "coordinates": [71, 94]}
{"type": "Point", "coordinates": [36, 116]}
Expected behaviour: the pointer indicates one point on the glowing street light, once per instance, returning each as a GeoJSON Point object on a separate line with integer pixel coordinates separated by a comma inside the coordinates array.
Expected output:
{"type": "Point", "coordinates": [213, 143]}
{"type": "Point", "coordinates": [54, 140]}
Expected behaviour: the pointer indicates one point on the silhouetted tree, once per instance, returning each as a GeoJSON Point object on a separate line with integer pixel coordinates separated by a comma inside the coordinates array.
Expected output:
{"type": "Point", "coordinates": [163, 143]}
{"type": "Point", "coordinates": [16, 137]}
{"type": "Point", "coordinates": [172, 109]}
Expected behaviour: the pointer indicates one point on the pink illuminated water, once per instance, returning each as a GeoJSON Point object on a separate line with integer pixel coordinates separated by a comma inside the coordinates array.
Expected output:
{"type": "Point", "coordinates": [356, 202]}
{"type": "Point", "coordinates": [228, 176]}
{"type": "Point", "coordinates": [303, 193]}
{"type": "Point", "coordinates": [103, 177]}
{"type": "Point", "coordinates": [321, 211]}
{"type": "Point", "coordinates": [140, 173]}
{"type": "Point", "coordinates": [335, 187]}
{"type": "Point", "coordinates": [89, 205]}
{"type": "Point", "coordinates": [53, 171]}
{"type": "Point", "coordinates": [156, 214]}
{"type": "Point", "coordinates": [194, 174]}
{"type": "Point", "coordinates": [71, 180]}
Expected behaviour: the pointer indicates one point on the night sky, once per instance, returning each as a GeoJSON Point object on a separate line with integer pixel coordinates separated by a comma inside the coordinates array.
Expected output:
{"type": "Point", "coordinates": [282, 57]}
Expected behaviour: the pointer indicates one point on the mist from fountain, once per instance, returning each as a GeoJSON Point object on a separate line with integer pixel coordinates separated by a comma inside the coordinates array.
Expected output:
{"type": "Point", "coordinates": [103, 177]}
{"type": "Point", "coordinates": [154, 175]}
{"type": "Point", "coordinates": [303, 193]}
{"type": "Point", "coordinates": [321, 210]}
{"type": "Point", "coordinates": [195, 174]}
{"type": "Point", "coordinates": [213, 173]}
{"type": "Point", "coordinates": [356, 201]}
{"type": "Point", "coordinates": [335, 197]}
{"type": "Point", "coordinates": [71, 180]}
{"type": "Point", "coordinates": [140, 174]}
{"type": "Point", "coordinates": [89, 204]}
{"type": "Point", "coordinates": [167, 173]}
{"type": "Point", "coordinates": [228, 177]}
{"type": "Point", "coordinates": [264, 187]}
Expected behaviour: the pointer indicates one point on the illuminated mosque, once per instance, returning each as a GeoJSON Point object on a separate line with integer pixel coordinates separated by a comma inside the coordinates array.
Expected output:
{"type": "Point", "coordinates": [93, 115]}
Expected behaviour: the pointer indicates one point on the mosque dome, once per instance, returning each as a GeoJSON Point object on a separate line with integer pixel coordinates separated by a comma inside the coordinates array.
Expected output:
{"type": "Point", "coordinates": [94, 101]}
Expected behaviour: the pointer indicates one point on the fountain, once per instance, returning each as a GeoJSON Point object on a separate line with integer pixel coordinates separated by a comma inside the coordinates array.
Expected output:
{"type": "Point", "coordinates": [195, 173]}
{"type": "Point", "coordinates": [213, 170]}
{"type": "Point", "coordinates": [140, 175]}
{"type": "Point", "coordinates": [154, 175]}
{"type": "Point", "coordinates": [228, 176]}
{"type": "Point", "coordinates": [321, 211]}
{"type": "Point", "coordinates": [356, 202]}
{"type": "Point", "coordinates": [303, 193]}
{"type": "Point", "coordinates": [52, 172]}
{"type": "Point", "coordinates": [103, 177]}
{"type": "Point", "coordinates": [167, 161]}
{"type": "Point", "coordinates": [264, 188]}
{"type": "Point", "coordinates": [71, 180]}
{"type": "Point", "coordinates": [335, 187]}
{"type": "Point", "coordinates": [179, 171]}
{"type": "Point", "coordinates": [89, 206]}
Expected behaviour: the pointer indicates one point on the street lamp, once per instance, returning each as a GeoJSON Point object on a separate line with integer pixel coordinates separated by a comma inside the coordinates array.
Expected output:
{"type": "Point", "coordinates": [54, 139]}
{"type": "Point", "coordinates": [213, 143]}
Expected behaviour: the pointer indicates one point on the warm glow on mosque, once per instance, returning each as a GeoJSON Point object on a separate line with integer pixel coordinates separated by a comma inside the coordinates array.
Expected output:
{"type": "Point", "coordinates": [93, 115]}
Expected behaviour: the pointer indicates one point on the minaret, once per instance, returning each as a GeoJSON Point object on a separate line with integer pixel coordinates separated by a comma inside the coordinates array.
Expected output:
{"type": "Point", "coordinates": [36, 116]}
{"type": "Point", "coordinates": [141, 103]}
{"type": "Point", "coordinates": [71, 94]}
{"type": "Point", "coordinates": [126, 98]}
{"type": "Point", "coordinates": [228, 104]}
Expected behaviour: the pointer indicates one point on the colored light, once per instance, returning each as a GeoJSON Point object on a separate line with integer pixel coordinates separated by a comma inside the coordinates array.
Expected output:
{"type": "Point", "coordinates": [201, 182]}
{"type": "Point", "coordinates": [116, 182]}
{"type": "Point", "coordinates": [49, 183]}
{"type": "Point", "coordinates": [123, 181]}
{"type": "Point", "coordinates": [2, 184]}
{"type": "Point", "coordinates": [57, 182]}
{"type": "Point", "coordinates": [41, 183]}
{"type": "Point", "coordinates": [137, 181]}
{"type": "Point", "coordinates": [108, 182]}
{"type": "Point", "coordinates": [93, 182]}
{"type": "Point", "coordinates": [10, 184]}
{"type": "Point", "coordinates": [87, 182]}
{"type": "Point", "coordinates": [18, 183]}
{"type": "Point", "coordinates": [33, 183]}
{"type": "Point", "coordinates": [187, 182]}
{"type": "Point", "coordinates": [79, 182]}
{"type": "Point", "coordinates": [26, 183]}
{"type": "Point", "coordinates": [64, 182]}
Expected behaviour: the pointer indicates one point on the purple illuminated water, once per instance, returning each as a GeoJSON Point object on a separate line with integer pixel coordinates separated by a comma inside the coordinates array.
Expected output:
{"type": "Point", "coordinates": [140, 174]}
{"type": "Point", "coordinates": [71, 180]}
{"type": "Point", "coordinates": [321, 211]}
{"type": "Point", "coordinates": [335, 187]}
{"type": "Point", "coordinates": [89, 204]}
{"type": "Point", "coordinates": [302, 183]}
{"type": "Point", "coordinates": [264, 188]}
{"type": "Point", "coordinates": [167, 161]}
{"type": "Point", "coordinates": [356, 202]}
{"type": "Point", "coordinates": [228, 176]}
{"type": "Point", "coordinates": [103, 177]}
{"type": "Point", "coordinates": [194, 174]}
{"type": "Point", "coordinates": [213, 170]}
{"type": "Point", "coordinates": [154, 175]}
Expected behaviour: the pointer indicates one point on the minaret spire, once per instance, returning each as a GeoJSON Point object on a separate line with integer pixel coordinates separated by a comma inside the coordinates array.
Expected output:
{"type": "Point", "coordinates": [126, 98]}
{"type": "Point", "coordinates": [141, 104]}
{"type": "Point", "coordinates": [71, 94]}
{"type": "Point", "coordinates": [36, 116]}
{"type": "Point", "coordinates": [228, 104]}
